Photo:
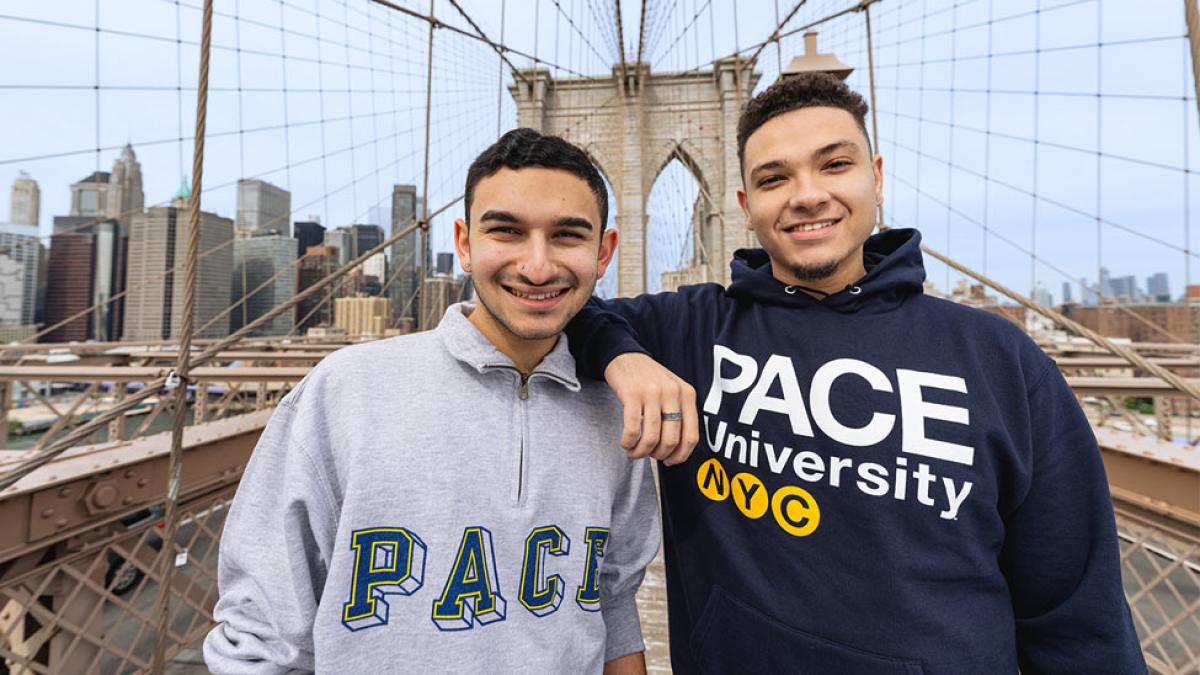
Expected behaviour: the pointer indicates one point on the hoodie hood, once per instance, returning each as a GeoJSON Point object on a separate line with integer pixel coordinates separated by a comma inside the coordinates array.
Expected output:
{"type": "Point", "coordinates": [895, 271]}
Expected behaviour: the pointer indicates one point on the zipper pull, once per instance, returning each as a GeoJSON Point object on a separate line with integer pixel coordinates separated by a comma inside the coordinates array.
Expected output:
{"type": "Point", "coordinates": [523, 390]}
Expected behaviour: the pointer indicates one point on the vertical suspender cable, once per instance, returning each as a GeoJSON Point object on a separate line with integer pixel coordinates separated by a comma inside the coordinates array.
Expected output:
{"type": "Point", "coordinates": [500, 68]}
{"type": "Point", "coordinates": [422, 321]}
{"type": "Point", "coordinates": [871, 91]}
{"type": "Point", "coordinates": [166, 559]}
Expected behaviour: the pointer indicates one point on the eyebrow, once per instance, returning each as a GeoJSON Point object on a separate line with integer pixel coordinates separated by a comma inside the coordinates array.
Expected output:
{"type": "Point", "coordinates": [843, 144]}
{"type": "Point", "coordinates": [835, 146]}
{"type": "Point", "coordinates": [577, 222]}
{"type": "Point", "coordinates": [573, 221]}
{"type": "Point", "coordinates": [502, 216]}
{"type": "Point", "coordinates": [768, 166]}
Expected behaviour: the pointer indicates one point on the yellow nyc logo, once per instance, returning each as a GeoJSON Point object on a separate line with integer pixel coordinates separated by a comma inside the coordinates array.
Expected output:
{"type": "Point", "coordinates": [794, 509]}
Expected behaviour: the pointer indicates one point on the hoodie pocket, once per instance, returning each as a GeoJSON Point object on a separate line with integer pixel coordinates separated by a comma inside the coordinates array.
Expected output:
{"type": "Point", "coordinates": [732, 637]}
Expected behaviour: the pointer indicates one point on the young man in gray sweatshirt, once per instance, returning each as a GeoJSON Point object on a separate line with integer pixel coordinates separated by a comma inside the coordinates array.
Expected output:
{"type": "Point", "coordinates": [455, 499]}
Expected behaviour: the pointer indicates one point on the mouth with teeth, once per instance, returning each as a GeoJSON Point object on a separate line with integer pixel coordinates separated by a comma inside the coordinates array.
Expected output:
{"type": "Point", "coordinates": [812, 230]}
{"type": "Point", "coordinates": [541, 299]}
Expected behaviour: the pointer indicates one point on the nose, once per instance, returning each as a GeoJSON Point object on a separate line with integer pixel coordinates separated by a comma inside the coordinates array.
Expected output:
{"type": "Point", "coordinates": [536, 264]}
{"type": "Point", "coordinates": [809, 195]}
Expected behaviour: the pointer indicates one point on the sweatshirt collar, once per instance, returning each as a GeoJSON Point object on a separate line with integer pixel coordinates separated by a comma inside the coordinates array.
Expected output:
{"type": "Point", "coordinates": [895, 272]}
{"type": "Point", "coordinates": [465, 343]}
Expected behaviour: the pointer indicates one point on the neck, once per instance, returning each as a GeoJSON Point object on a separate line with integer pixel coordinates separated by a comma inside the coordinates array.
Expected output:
{"type": "Point", "coordinates": [850, 271]}
{"type": "Point", "coordinates": [525, 354]}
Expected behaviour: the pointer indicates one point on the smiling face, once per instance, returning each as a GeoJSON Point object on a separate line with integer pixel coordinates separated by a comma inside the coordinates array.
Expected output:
{"type": "Point", "coordinates": [811, 189]}
{"type": "Point", "coordinates": [534, 250]}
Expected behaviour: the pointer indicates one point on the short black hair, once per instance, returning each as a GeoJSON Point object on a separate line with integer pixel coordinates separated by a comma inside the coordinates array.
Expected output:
{"type": "Point", "coordinates": [524, 147]}
{"type": "Point", "coordinates": [806, 90]}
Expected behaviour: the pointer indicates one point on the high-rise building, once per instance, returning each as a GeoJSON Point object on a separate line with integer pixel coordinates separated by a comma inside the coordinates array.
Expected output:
{"type": "Point", "coordinates": [364, 238]}
{"type": "Point", "coordinates": [25, 206]}
{"type": "Point", "coordinates": [374, 273]}
{"type": "Point", "coordinates": [1088, 293]}
{"type": "Point", "coordinates": [85, 269]}
{"type": "Point", "coordinates": [19, 241]}
{"type": "Point", "coordinates": [158, 243]}
{"type": "Point", "coordinates": [125, 196]}
{"type": "Point", "coordinates": [360, 316]}
{"type": "Point", "coordinates": [89, 196]}
{"type": "Point", "coordinates": [12, 276]}
{"type": "Point", "coordinates": [1042, 296]}
{"type": "Point", "coordinates": [316, 310]}
{"type": "Point", "coordinates": [308, 233]}
{"type": "Point", "coordinates": [441, 291]}
{"type": "Point", "coordinates": [265, 259]}
{"type": "Point", "coordinates": [404, 275]}
{"type": "Point", "coordinates": [263, 207]}
{"type": "Point", "coordinates": [339, 239]}
{"type": "Point", "coordinates": [1158, 288]}
{"type": "Point", "coordinates": [445, 263]}
{"type": "Point", "coordinates": [1124, 289]}
{"type": "Point", "coordinates": [1066, 296]}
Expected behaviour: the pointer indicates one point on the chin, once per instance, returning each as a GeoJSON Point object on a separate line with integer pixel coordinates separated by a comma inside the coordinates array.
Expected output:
{"type": "Point", "coordinates": [537, 330]}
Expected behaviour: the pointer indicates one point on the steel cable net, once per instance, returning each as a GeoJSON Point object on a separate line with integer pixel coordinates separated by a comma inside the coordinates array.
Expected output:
{"type": "Point", "coordinates": [1044, 144]}
{"type": "Point", "coordinates": [1039, 142]}
{"type": "Point", "coordinates": [325, 102]}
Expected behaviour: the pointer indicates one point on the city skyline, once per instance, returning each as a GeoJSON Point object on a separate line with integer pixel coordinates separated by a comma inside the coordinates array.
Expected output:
{"type": "Point", "coordinates": [344, 188]}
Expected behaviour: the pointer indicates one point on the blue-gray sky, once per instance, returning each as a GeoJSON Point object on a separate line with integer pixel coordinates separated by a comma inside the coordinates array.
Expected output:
{"type": "Point", "coordinates": [933, 77]}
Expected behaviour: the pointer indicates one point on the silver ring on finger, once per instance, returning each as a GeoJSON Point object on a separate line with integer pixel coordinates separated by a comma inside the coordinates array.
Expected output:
{"type": "Point", "coordinates": [672, 416]}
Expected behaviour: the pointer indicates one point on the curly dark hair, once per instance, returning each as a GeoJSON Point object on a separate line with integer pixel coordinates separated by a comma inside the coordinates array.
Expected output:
{"type": "Point", "coordinates": [524, 147]}
{"type": "Point", "coordinates": [806, 90]}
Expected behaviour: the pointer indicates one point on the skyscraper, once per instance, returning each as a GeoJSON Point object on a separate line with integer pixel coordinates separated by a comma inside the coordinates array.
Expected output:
{"type": "Point", "coordinates": [263, 207]}
{"type": "Point", "coordinates": [19, 242]}
{"type": "Point", "coordinates": [1088, 292]}
{"type": "Point", "coordinates": [1158, 287]}
{"type": "Point", "coordinates": [255, 261]}
{"type": "Point", "coordinates": [1042, 296]}
{"type": "Point", "coordinates": [441, 291]}
{"type": "Point", "coordinates": [403, 276]}
{"type": "Point", "coordinates": [157, 243]}
{"type": "Point", "coordinates": [125, 196]}
{"type": "Point", "coordinates": [316, 310]}
{"type": "Point", "coordinates": [89, 196]}
{"type": "Point", "coordinates": [12, 276]}
{"type": "Point", "coordinates": [85, 270]}
{"type": "Point", "coordinates": [307, 233]}
{"type": "Point", "coordinates": [339, 239]}
{"type": "Point", "coordinates": [364, 238]}
{"type": "Point", "coordinates": [1066, 296]}
{"type": "Point", "coordinates": [25, 205]}
{"type": "Point", "coordinates": [1124, 289]}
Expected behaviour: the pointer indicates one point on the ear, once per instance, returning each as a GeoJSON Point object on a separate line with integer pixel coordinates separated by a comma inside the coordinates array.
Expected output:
{"type": "Point", "coordinates": [877, 167]}
{"type": "Point", "coordinates": [462, 244]}
{"type": "Point", "coordinates": [608, 246]}
{"type": "Point", "coordinates": [742, 202]}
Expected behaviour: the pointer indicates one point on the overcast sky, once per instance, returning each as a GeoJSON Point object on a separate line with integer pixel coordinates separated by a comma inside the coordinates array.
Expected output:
{"type": "Point", "coordinates": [932, 77]}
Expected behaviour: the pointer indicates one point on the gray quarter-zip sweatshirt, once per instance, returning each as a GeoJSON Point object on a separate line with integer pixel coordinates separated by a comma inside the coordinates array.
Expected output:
{"type": "Point", "coordinates": [416, 505]}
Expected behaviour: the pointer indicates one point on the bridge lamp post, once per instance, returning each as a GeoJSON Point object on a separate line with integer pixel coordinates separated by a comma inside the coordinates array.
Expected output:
{"type": "Point", "coordinates": [813, 62]}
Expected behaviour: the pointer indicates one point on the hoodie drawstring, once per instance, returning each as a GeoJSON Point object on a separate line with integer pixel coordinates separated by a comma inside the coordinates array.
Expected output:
{"type": "Point", "coordinates": [791, 290]}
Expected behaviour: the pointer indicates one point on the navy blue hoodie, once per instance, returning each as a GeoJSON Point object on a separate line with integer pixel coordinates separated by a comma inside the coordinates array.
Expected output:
{"type": "Point", "coordinates": [886, 482]}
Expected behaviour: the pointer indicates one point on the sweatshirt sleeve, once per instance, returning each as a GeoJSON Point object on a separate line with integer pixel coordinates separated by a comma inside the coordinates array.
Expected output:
{"type": "Point", "coordinates": [274, 556]}
{"type": "Point", "coordinates": [1061, 555]}
{"type": "Point", "coordinates": [634, 541]}
{"type": "Point", "coordinates": [647, 324]}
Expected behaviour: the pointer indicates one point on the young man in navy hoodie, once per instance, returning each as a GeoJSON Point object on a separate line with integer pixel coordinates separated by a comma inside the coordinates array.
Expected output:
{"type": "Point", "coordinates": [892, 483]}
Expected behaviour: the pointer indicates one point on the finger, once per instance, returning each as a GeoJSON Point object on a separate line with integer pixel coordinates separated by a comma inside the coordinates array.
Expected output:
{"type": "Point", "coordinates": [632, 426]}
{"type": "Point", "coordinates": [671, 429]}
{"type": "Point", "coordinates": [651, 425]}
{"type": "Point", "coordinates": [690, 428]}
